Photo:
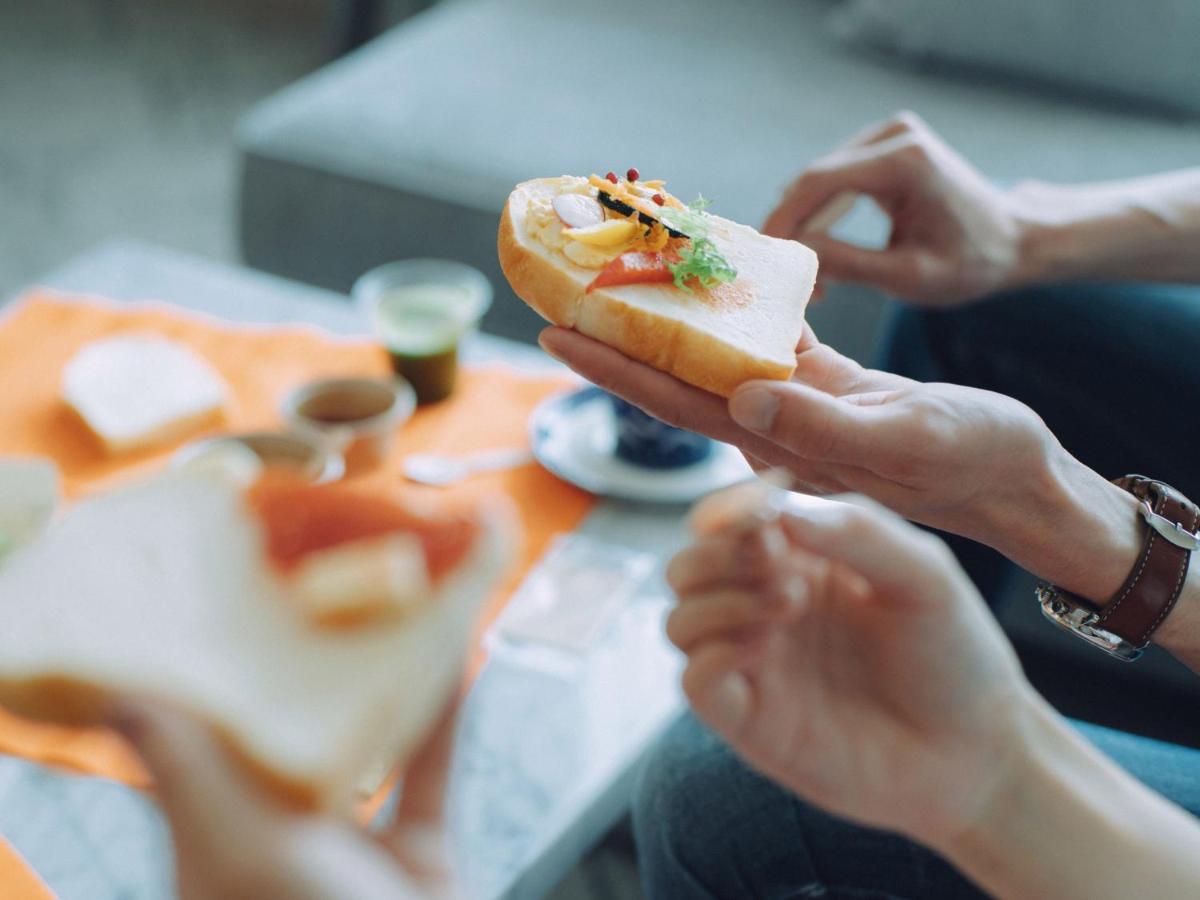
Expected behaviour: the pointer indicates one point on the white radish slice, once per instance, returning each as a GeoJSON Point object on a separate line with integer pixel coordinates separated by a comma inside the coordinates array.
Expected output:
{"type": "Point", "coordinates": [578, 210]}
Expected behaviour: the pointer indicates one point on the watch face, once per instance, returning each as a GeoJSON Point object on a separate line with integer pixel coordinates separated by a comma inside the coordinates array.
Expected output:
{"type": "Point", "coordinates": [1082, 623]}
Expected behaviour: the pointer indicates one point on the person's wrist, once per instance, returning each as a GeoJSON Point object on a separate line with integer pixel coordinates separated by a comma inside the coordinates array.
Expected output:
{"type": "Point", "coordinates": [1179, 633]}
{"type": "Point", "coordinates": [1067, 822]}
{"type": "Point", "coordinates": [1068, 232]}
{"type": "Point", "coordinates": [1002, 754]}
{"type": "Point", "coordinates": [1066, 524]}
{"type": "Point", "coordinates": [1042, 743]}
{"type": "Point", "coordinates": [1047, 220]}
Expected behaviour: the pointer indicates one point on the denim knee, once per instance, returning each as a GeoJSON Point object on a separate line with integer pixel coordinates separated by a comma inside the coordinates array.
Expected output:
{"type": "Point", "coordinates": [708, 826]}
{"type": "Point", "coordinates": [667, 797]}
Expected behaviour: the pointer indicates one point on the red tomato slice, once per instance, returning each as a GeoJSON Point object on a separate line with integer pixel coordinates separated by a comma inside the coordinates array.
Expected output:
{"type": "Point", "coordinates": [634, 268]}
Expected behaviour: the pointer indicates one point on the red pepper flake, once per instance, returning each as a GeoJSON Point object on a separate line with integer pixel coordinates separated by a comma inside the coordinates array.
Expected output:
{"type": "Point", "coordinates": [633, 174]}
{"type": "Point", "coordinates": [611, 176]}
{"type": "Point", "coordinates": [659, 199]}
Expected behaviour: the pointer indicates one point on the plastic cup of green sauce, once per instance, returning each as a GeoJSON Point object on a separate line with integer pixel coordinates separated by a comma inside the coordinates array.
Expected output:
{"type": "Point", "coordinates": [420, 310]}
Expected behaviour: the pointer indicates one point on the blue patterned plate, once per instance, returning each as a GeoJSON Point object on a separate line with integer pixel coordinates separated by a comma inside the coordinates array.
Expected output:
{"type": "Point", "coordinates": [574, 436]}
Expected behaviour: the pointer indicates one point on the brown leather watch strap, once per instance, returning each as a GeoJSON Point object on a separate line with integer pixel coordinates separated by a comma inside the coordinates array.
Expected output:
{"type": "Point", "coordinates": [1152, 588]}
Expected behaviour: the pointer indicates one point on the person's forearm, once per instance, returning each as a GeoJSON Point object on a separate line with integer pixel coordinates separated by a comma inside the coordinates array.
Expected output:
{"type": "Point", "coordinates": [1144, 229]}
{"type": "Point", "coordinates": [1064, 523]}
{"type": "Point", "coordinates": [1067, 822]}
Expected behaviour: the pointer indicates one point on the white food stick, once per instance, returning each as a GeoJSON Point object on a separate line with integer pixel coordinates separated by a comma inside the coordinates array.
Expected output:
{"type": "Point", "coordinates": [831, 213]}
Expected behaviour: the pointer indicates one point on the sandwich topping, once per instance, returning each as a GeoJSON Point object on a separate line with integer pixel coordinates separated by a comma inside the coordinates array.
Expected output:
{"type": "Point", "coordinates": [632, 231]}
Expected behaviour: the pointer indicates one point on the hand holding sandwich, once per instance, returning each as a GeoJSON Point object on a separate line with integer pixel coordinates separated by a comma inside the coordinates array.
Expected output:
{"type": "Point", "coordinates": [960, 459]}
{"type": "Point", "coordinates": [233, 839]}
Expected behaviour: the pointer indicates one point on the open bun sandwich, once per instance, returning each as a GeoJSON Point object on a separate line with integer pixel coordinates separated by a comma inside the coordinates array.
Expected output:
{"type": "Point", "coordinates": [619, 259]}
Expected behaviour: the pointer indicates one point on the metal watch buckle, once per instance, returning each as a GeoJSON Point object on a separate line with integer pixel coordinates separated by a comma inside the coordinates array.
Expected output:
{"type": "Point", "coordinates": [1082, 623]}
{"type": "Point", "coordinates": [1172, 531]}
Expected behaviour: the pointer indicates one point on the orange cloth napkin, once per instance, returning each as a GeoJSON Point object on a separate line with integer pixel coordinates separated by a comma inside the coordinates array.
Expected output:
{"type": "Point", "coordinates": [17, 880]}
{"type": "Point", "coordinates": [261, 364]}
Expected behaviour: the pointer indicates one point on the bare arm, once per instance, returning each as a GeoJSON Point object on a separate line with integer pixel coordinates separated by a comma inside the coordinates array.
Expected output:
{"type": "Point", "coordinates": [957, 237]}
{"type": "Point", "coordinates": [967, 461]}
{"type": "Point", "coordinates": [1070, 823]}
{"type": "Point", "coordinates": [1145, 229]}
{"type": "Point", "coordinates": [825, 631]}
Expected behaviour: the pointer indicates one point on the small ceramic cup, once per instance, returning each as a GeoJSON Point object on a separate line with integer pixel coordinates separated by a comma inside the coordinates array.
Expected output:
{"type": "Point", "coordinates": [298, 453]}
{"type": "Point", "coordinates": [645, 441]}
{"type": "Point", "coordinates": [355, 417]}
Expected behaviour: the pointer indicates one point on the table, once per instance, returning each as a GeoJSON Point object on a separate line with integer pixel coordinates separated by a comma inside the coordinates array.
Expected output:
{"type": "Point", "coordinates": [545, 756]}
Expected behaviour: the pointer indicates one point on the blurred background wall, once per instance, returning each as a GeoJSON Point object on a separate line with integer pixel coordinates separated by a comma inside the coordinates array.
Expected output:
{"type": "Point", "coordinates": [116, 117]}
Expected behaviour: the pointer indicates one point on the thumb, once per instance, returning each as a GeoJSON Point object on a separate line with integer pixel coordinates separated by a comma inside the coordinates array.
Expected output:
{"type": "Point", "coordinates": [904, 564]}
{"type": "Point", "coordinates": [199, 788]}
{"type": "Point", "coordinates": [808, 422]}
{"type": "Point", "coordinates": [875, 169]}
{"type": "Point", "coordinates": [716, 688]}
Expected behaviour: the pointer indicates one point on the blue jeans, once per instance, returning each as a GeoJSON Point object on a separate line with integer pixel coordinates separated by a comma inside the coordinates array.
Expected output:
{"type": "Point", "coordinates": [1114, 370]}
{"type": "Point", "coordinates": [709, 826]}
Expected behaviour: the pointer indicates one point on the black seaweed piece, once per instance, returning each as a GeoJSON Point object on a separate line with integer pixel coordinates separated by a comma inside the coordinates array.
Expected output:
{"type": "Point", "coordinates": [626, 210]}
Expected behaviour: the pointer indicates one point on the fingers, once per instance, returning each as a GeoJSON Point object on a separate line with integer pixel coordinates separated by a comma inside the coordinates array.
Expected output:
{"type": "Point", "coordinates": [657, 393]}
{"type": "Point", "coordinates": [738, 574]}
{"type": "Point", "coordinates": [892, 271]}
{"type": "Point", "coordinates": [741, 506]}
{"type": "Point", "coordinates": [721, 613]}
{"type": "Point", "coordinates": [745, 556]}
{"type": "Point", "coordinates": [197, 783]}
{"type": "Point", "coordinates": [879, 170]}
{"type": "Point", "coordinates": [227, 832]}
{"type": "Point", "coordinates": [810, 423]}
{"type": "Point", "coordinates": [904, 564]}
{"type": "Point", "coordinates": [717, 689]}
{"type": "Point", "coordinates": [903, 122]}
{"type": "Point", "coordinates": [416, 836]}
{"type": "Point", "coordinates": [422, 801]}
{"type": "Point", "coordinates": [817, 187]}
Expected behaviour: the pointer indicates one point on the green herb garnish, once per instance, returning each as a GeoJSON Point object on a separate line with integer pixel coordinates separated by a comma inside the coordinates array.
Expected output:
{"type": "Point", "coordinates": [700, 260]}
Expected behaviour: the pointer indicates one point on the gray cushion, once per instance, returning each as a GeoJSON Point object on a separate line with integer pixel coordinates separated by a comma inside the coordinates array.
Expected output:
{"type": "Point", "coordinates": [1145, 51]}
{"type": "Point", "coordinates": [410, 145]}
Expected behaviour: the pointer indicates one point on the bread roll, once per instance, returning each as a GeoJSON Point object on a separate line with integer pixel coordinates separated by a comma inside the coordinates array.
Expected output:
{"type": "Point", "coordinates": [714, 338]}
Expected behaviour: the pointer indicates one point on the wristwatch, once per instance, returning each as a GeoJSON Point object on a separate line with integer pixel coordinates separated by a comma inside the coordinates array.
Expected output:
{"type": "Point", "coordinates": [1124, 625]}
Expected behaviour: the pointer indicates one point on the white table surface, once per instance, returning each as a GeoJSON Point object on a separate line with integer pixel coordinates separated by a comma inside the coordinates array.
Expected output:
{"type": "Point", "coordinates": [546, 755]}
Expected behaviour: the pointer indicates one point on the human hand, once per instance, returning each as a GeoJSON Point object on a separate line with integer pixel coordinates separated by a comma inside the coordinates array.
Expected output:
{"type": "Point", "coordinates": [968, 461]}
{"type": "Point", "coordinates": [955, 236]}
{"type": "Point", "coordinates": [946, 456]}
{"type": "Point", "coordinates": [233, 840]}
{"type": "Point", "coordinates": [844, 654]}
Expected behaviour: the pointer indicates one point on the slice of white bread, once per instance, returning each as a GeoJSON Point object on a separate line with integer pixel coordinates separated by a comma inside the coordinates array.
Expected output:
{"type": "Point", "coordinates": [715, 339]}
{"type": "Point", "coordinates": [165, 591]}
{"type": "Point", "coordinates": [140, 390]}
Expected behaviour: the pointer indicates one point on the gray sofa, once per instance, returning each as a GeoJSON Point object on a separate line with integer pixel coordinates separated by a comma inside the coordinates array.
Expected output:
{"type": "Point", "coordinates": [408, 147]}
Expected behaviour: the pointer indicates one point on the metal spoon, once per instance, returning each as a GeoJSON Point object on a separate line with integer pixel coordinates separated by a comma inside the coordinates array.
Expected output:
{"type": "Point", "coordinates": [439, 471]}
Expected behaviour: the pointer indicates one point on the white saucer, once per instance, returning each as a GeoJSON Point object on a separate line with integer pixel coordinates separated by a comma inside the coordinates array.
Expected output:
{"type": "Point", "coordinates": [574, 435]}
